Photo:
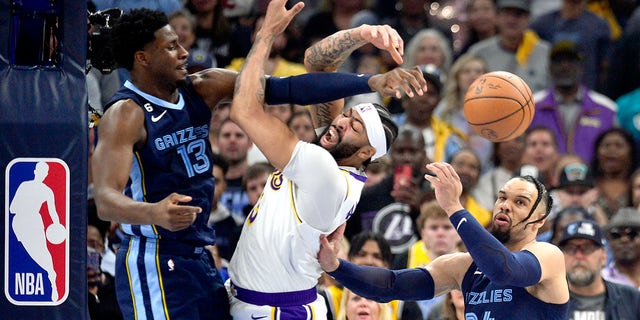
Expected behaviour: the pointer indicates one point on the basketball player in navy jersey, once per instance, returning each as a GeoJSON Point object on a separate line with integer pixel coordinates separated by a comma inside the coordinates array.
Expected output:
{"type": "Point", "coordinates": [153, 141]}
{"type": "Point", "coordinates": [505, 274]}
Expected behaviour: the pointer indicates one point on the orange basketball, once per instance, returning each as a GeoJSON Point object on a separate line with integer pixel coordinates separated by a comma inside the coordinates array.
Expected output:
{"type": "Point", "coordinates": [499, 106]}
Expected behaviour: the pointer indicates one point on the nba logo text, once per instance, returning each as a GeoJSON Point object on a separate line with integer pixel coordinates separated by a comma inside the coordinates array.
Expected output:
{"type": "Point", "coordinates": [36, 266]}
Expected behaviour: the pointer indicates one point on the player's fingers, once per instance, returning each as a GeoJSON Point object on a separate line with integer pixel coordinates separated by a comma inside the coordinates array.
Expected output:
{"type": "Point", "coordinates": [296, 9]}
{"type": "Point", "coordinates": [177, 198]}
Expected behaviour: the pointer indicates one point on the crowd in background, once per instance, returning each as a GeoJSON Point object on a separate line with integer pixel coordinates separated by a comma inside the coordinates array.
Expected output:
{"type": "Point", "coordinates": [581, 59]}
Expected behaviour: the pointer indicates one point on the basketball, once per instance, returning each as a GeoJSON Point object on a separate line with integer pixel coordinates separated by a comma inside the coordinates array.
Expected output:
{"type": "Point", "coordinates": [56, 233]}
{"type": "Point", "coordinates": [499, 106]}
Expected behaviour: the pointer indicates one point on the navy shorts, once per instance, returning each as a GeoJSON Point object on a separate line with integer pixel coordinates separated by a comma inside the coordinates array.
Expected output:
{"type": "Point", "coordinates": [157, 279]}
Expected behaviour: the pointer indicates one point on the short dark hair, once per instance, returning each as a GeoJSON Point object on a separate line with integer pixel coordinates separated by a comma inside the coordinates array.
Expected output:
{"type": "Point", "coordinates": [132, 32]}
{"type": "Point", "coordinates": [358, 241]}
{"type": "Point", "coordinates": [220, 161]}
{"type": "Point", "coordinates": [254, 171]}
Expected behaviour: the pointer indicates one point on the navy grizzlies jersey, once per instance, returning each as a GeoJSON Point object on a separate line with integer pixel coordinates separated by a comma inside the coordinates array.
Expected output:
{"type": "Point", "coordinates": [176, 157]}
{"type": "Point", "coordinates": [485, 300]}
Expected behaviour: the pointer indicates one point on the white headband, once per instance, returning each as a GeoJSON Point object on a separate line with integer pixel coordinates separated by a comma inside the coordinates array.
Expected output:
{"type": "Point", "coordinates": [375, 130]}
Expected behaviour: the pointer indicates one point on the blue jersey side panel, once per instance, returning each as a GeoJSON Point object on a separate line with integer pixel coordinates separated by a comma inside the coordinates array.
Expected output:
{"type": "Point", "coordinates": [176, 157]}
{"type": "Point", "coordinates": [485, 300]}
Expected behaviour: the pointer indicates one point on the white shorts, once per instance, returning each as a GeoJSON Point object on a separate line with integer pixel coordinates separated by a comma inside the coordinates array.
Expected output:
{"type": "Point", "coordinates": [315, 310]}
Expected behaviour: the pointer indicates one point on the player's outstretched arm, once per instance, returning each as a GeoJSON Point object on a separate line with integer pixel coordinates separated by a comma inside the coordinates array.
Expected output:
{"type": "Point", "coordinates": [382, 285]}
{"type": "Point", "coordinates": [121, 127]}
{"type": "Point", "coordinates": [271, 135]}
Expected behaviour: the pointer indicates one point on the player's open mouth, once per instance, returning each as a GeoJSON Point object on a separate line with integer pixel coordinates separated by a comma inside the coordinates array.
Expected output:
{"type": "Point", "coordinates": [331, 138]}
{"type": "Point", "coordinates": [502, 219]}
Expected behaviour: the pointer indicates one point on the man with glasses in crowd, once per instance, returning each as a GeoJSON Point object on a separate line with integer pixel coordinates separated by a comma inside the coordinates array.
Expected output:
{"type": "Point", "coordinates": [592, 297]}
{"type": "Point", "coordinates": [622, 233]}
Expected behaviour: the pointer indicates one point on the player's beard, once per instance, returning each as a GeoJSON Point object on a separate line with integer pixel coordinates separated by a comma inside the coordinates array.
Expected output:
{"type": "Point", "coordinates": [502, 235]}
{"type": "Point", "coordinates": [341, 150]}
{"type": "Point", "coordinates": [581, 276]}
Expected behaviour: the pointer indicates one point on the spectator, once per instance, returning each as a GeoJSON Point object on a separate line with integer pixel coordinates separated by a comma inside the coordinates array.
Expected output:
{"type": "Point", "coordinates": [576, 188]}
{"type": "Point", "coordinates": [184, 23]}
{"type": "Point", "coordinates": [226, 226]}
{"type": "Point", "coordinates": [254, 181]}
{"type": "Point", "coordinates": [541, 151]}
{"type": "Point", "coordinates": [467, 166]}
{"type": "Point", "coordinates": [629, 107]}
{"type": "Point", "coordinates": [516, 49]}
{"type": "Point", "coordinates": [464, 71]}
{"type": "Point", "coordinates": [590, 33]}
{"type": "Point", "coordinates": [371, 249]}
{"type": "Point", "coordinates": [622, 233]}
{"type": "Point", "coordinates": [563, 218]}
{"type": "Point", "coordinates": [166, 6]}
{"type": "Point", "coordinates": [429, 46]}
{"type": "Point", "coordinates": [102, 302]}
{"type": "Point", "coordinates": [481, 22]}
{"type": "Point", "coordinates": [437, 238]}
{"type": "Point", "coordinates": [592, 297]}
{"type": "Point", "coordinates": [441, 139]}
{"type": "Point", "coordinates": [234, 145]}
{"type": "Point", "coordinates": [615, 159]}
{"type": "Point", "coordinates": [576, 114]}
{"type": "Point", "coordinates": [213, 29]}
{"type": "Point", "coordinates": [353, 306]}
{"type": "Point", "coordinates": [221, 113]}
{"type": "Point", "coordinates": [301, 124]}
{"type": "Point", "coordinates": [506, 159]}
{"type": "Point", "coordinates": [452, 308]}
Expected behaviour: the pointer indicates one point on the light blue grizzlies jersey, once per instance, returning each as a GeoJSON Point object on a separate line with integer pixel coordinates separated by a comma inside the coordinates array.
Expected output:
{"type": "Point", "coordinates": [485, 300]}
{"type": "Point", "coordinates": [176, 157]}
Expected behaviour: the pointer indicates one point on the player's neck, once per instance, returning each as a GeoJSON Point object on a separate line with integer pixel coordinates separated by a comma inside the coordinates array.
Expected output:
{"type": "Point", "coordinates": [166, 92]}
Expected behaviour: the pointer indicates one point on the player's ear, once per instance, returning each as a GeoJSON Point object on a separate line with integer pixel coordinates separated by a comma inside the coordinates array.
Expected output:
{"type": "Point", "coordinates": [141, 57]}
{"type": "Point", "coordinates": [366, 152]}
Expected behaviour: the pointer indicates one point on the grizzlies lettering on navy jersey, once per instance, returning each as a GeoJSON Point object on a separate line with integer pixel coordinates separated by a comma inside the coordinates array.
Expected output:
{"type": "Point", "coordinates": [176, 157]}
{"type": "Point", "coordinates": [485, 300]}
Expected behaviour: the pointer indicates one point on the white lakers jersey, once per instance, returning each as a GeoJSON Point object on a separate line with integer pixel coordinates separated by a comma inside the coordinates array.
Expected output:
{"type": "Point", "coordinates": [277, 250]}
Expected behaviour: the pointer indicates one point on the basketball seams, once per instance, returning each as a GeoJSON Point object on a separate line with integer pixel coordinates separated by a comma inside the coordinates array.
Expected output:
{"type": "Point", "coordinates": [481, 106]}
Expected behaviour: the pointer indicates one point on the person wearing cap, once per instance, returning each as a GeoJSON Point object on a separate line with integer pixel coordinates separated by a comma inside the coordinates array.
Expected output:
{"type": "Point", "coordinates": [576, 188]}
{"type": "Point", "coordinates": [591, 33]}
{"type": "Point", "coordinates": [623, 233]}
{"type": "Point", "coordinates": [515, 48]}
{"type": "Point", "coordinates": [575, 113]}
{"type": "Point", "coordinates": [314, 189]}
{"type": "Point", "coordinates": [441, 139]}
{"type": "Point", "coordinates": [592, 297]}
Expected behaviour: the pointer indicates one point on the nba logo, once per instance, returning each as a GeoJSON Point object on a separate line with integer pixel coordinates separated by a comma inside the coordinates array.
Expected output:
{"type": "Point", "coordinates": [36, 240]}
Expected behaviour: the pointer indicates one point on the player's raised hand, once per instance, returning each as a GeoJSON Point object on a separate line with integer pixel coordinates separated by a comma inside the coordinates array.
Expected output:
{"type": "Point", "coordinates": [172, 215]}
{"type": "Point", "coordinates": [399, 81]}
{"type": "Point", "coordinates": [277, 17]}
{"type": "Point", "coordinates": [385, 38]}
{"type": "Point", "coordinates": [330, 245]}
{"type": "Point", "coordinates": [447, 186]}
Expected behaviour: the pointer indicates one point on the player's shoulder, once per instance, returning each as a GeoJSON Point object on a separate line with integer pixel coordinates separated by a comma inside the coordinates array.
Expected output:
{"type": "Point", "coordinates": [544, 251]}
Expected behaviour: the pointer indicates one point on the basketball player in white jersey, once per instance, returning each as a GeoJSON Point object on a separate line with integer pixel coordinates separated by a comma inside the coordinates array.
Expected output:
{"type": "Point", "coordinates": [314, 188]}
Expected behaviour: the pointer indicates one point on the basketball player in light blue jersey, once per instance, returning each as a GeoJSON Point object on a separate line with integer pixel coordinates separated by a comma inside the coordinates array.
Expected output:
{"type": "Point", "coordinates": [505, 274]}
{"type": "Point", "coordinates": [315, 188]}
{"type": "Point", "coordinates": [153, 140]}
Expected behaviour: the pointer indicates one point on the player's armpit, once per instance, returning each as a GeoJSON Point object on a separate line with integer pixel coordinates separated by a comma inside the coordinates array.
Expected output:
{"type": "Point", "coordinates": [448, 271]}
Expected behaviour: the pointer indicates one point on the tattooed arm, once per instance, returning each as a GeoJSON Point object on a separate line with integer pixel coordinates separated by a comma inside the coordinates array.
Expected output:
{"type": "Point", "coordinates": [270, 134]}
{"type": "Point", "coordinates": [328, 54]}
